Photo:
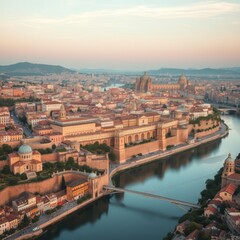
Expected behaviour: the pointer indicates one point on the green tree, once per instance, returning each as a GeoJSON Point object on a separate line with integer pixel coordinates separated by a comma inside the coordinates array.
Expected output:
{"type": "Point", "coordinates": [63, 185]}
{"type": "Point", "coordinates": [112, 156]}
{"type": "Point", "coordinates": [54, 146]}
{"type": "Point", "coordinates": [70, 163]}
{"type": "Point", "coordinates": [6, 148]}
{"type": "Point", "coordinates": [6, 169]}
{"type": "Point", "coordinates": [12, 181]}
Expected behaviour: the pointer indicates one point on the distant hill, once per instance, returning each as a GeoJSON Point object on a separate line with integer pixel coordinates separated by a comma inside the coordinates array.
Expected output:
{"type": "Point", "coordinates": [30, 69]}
{"type": "Point", "coordinates": [205, 71]}
{"type": "Point", "coordinates": [235, 71]}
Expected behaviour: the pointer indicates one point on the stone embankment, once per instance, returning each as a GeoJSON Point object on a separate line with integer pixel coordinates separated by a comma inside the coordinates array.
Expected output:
{"type": "Point", "coordinates": [134, 162]}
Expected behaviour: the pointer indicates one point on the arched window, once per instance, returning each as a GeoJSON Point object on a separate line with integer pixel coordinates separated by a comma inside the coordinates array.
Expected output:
{"type": "Point", "coordinates": [136, 138]}
{"type": "Point", "coordinates": [148, 135]}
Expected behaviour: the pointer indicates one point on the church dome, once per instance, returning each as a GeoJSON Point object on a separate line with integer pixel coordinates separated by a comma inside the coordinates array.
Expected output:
{"type": "Point", "coordinates": [229, 159]}
{"type": "Point", "coordinates": [25, 149]}
{"type": "Point", "coordinates": [92, 175]}
{"type": "Point", "coordinates": [182, 80]}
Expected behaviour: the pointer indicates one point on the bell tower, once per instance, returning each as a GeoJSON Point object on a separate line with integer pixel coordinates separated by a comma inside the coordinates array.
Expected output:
{"type": "Point", "coordinates": [228, 169]}
{"type": "Point", "coordinates": [62, 113]}
{"type": "Point", "coordinates": [119, 146]}
{"type": "Point", "coordinates": [161, 136]}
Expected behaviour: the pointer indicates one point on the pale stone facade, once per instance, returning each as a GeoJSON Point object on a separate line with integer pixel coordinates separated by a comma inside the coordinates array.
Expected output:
{"type": "Point", "coordinates": [25, 160]}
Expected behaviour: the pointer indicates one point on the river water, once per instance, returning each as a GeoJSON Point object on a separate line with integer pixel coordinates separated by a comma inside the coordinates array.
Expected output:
{"type": "Point", "coordinates": [126, 216]}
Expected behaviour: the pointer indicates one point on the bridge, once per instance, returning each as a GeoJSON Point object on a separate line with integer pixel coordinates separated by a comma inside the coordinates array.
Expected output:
{"type": "Point", "coordinates": [150, 195]}
{"type": "Point", "coordinates": [226, 108]}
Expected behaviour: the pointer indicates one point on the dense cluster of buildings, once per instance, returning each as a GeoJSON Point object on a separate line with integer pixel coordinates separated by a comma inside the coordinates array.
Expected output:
{"type": "Point", "coordinates": [32, 205]}
{"type": "Point", "coordinates": [225, 205]}
{"type": "Point", "coordinates": [68, 115]}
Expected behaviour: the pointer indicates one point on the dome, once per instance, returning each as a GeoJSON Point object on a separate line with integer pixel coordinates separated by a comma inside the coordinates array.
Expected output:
{"type": "Point", "coordinates": [25, 149]}
{"type": "Point", "coordinates": [229, 159]}
{"type": "Point", "coordinates": [92, 175]}
{"type": "Point", "coordinates": [182, 80]}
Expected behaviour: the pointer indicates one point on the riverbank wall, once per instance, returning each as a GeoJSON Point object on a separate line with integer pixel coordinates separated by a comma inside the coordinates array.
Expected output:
{"type": "Point", "coordinates": [144, 160]}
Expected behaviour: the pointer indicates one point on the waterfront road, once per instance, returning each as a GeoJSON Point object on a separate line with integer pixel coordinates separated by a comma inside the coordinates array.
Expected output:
{"type": "Point", "coordinates": [44, 218]}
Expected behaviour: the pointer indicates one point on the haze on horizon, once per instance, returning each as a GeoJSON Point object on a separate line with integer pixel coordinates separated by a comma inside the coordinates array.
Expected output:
{"type": "Point", "coordinates": [127, 34]}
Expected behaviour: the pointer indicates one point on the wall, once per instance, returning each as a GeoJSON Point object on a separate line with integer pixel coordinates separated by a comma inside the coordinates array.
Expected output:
{"type": "Point", "coordinates": [13, 144]}
{"type": "Point", "coordinates": [3, 163]}
{"type": "Point", "coordinates": [141, 148]}
{"type": "Point", "coordinates": [50, 185]}
{"type": "Point", "coordinates": [205, 133]}
{"type": "Point", "coordinates": [171, 141]}
{"type": "Point", "coordinates": [51, 157]}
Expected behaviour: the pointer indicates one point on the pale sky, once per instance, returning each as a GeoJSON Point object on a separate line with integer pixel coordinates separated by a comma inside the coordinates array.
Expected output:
{"type": "Point", "coordinates": [126, 34]}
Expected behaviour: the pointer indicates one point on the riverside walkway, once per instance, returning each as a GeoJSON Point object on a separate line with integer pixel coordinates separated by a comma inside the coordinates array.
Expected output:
{"type": "Point", "coordinates": [150, 195]}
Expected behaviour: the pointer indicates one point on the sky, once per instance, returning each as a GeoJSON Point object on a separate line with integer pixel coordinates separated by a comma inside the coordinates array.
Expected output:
{"type": "Point", "coordinates": [126, 34]}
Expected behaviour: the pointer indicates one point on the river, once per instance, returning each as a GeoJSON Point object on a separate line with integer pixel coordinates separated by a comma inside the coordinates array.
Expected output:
{"type": "Point", "coordinates": [126, 216]}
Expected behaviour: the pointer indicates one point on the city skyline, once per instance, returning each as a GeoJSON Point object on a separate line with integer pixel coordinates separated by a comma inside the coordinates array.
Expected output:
{"type": "Point", "coordinates": [129, 35]}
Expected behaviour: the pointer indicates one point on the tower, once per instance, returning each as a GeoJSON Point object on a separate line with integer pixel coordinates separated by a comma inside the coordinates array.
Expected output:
{"type": "Point", "coordinates": [228, 169]}
{"type": "Point", "coordinates": [161, 136]}
{"type": "Point", "coordinates": [62, 113]}
{"type": "Point", "coordinates": [119, 146]}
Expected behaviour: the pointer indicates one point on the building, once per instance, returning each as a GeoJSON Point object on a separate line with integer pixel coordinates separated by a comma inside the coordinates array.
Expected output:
{"type": "Point", "coordinates": [77, 189]}
{"type": "Point", "coordinates": [25, 201]}
{"type": "Point", "coordinates": [229, 175]}
{"type": "Point", "coordinates": [144, 84]}
{"type": "Point", "coordinates": [25, 160]}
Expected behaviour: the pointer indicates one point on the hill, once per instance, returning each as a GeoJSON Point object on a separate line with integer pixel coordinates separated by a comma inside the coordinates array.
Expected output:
{"type": "Point", "coordinates": [201, 72]}
{"type": "Point", "coordinates": [30, 69]}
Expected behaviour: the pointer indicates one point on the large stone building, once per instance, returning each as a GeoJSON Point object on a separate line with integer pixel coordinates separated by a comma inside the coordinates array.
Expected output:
{"type": "Point", "coordinates": [129, 135]}
{"type": "Point", "coordinates": [25, 160]}
{"type": "Point", "coordinates": [144, 84]}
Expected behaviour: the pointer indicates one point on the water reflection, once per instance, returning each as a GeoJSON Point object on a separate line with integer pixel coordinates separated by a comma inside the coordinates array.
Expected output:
{"type": "Point", "coordinates": [89, 214]}
{"type": "Point", "coordinates": [158, 168]}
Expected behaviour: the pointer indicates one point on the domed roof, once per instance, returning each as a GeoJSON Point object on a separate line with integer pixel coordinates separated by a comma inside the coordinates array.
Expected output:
{"type": "Point", "coordinates": [182, 80]}
{"type": "Point", "coordinates": [25, 149]}
{"type": "Point", "coordinates": [229, 159]}
{"type": "Point", "coordinates": [92, 175]}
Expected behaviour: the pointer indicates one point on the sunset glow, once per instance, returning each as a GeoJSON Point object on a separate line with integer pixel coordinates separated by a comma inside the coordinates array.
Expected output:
{"type": "Point", "coordinates": [128, 34]}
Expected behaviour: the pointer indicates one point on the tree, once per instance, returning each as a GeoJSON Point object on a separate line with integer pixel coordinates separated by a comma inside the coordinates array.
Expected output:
{"type": "Point", "coordinates": [6, 169]}
{"type": "Point", "coordinates": [12, 181]}
{"type": "Point", "coordinates": [6, 148]}
{"type": "Point", "coordinates": [54, 146]}
{"type": "Point", "coordinates": [112, 156]}
{"type": "Point", "coordinates": [63, 185]}
{"type": "Point", "coordinates": [70, 163]}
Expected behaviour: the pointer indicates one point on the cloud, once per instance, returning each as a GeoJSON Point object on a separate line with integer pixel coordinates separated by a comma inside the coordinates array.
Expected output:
{"type": "Point", "coordinates": [199, 10]}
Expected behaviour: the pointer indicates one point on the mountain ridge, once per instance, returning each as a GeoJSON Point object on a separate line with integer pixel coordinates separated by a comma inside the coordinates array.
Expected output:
{"type": "Point", "coordinates": [28, 69]}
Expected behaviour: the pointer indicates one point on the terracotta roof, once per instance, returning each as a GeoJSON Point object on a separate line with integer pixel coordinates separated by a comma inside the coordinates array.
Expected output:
{"type": "Point", "coordinates": [230, 188]}
{"type": "Point", "coordinates": [211, 208]}
{"type": "Point", "coordinates": [77, 182]}
{"type": "Point", "coordinates": [19, 164]}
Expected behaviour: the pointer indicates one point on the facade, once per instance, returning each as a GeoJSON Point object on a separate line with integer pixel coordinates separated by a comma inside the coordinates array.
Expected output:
{"type": "Point", "coordinates": [25, 160]}
{"type": "Point", "coordinates": [77, 189]}
{"type": "Point", "coordinates": [144, 84]}
{"type": "Point", "coordinates": [229, 176]}
{"type": "Point", "coordinates": [125, 133]}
